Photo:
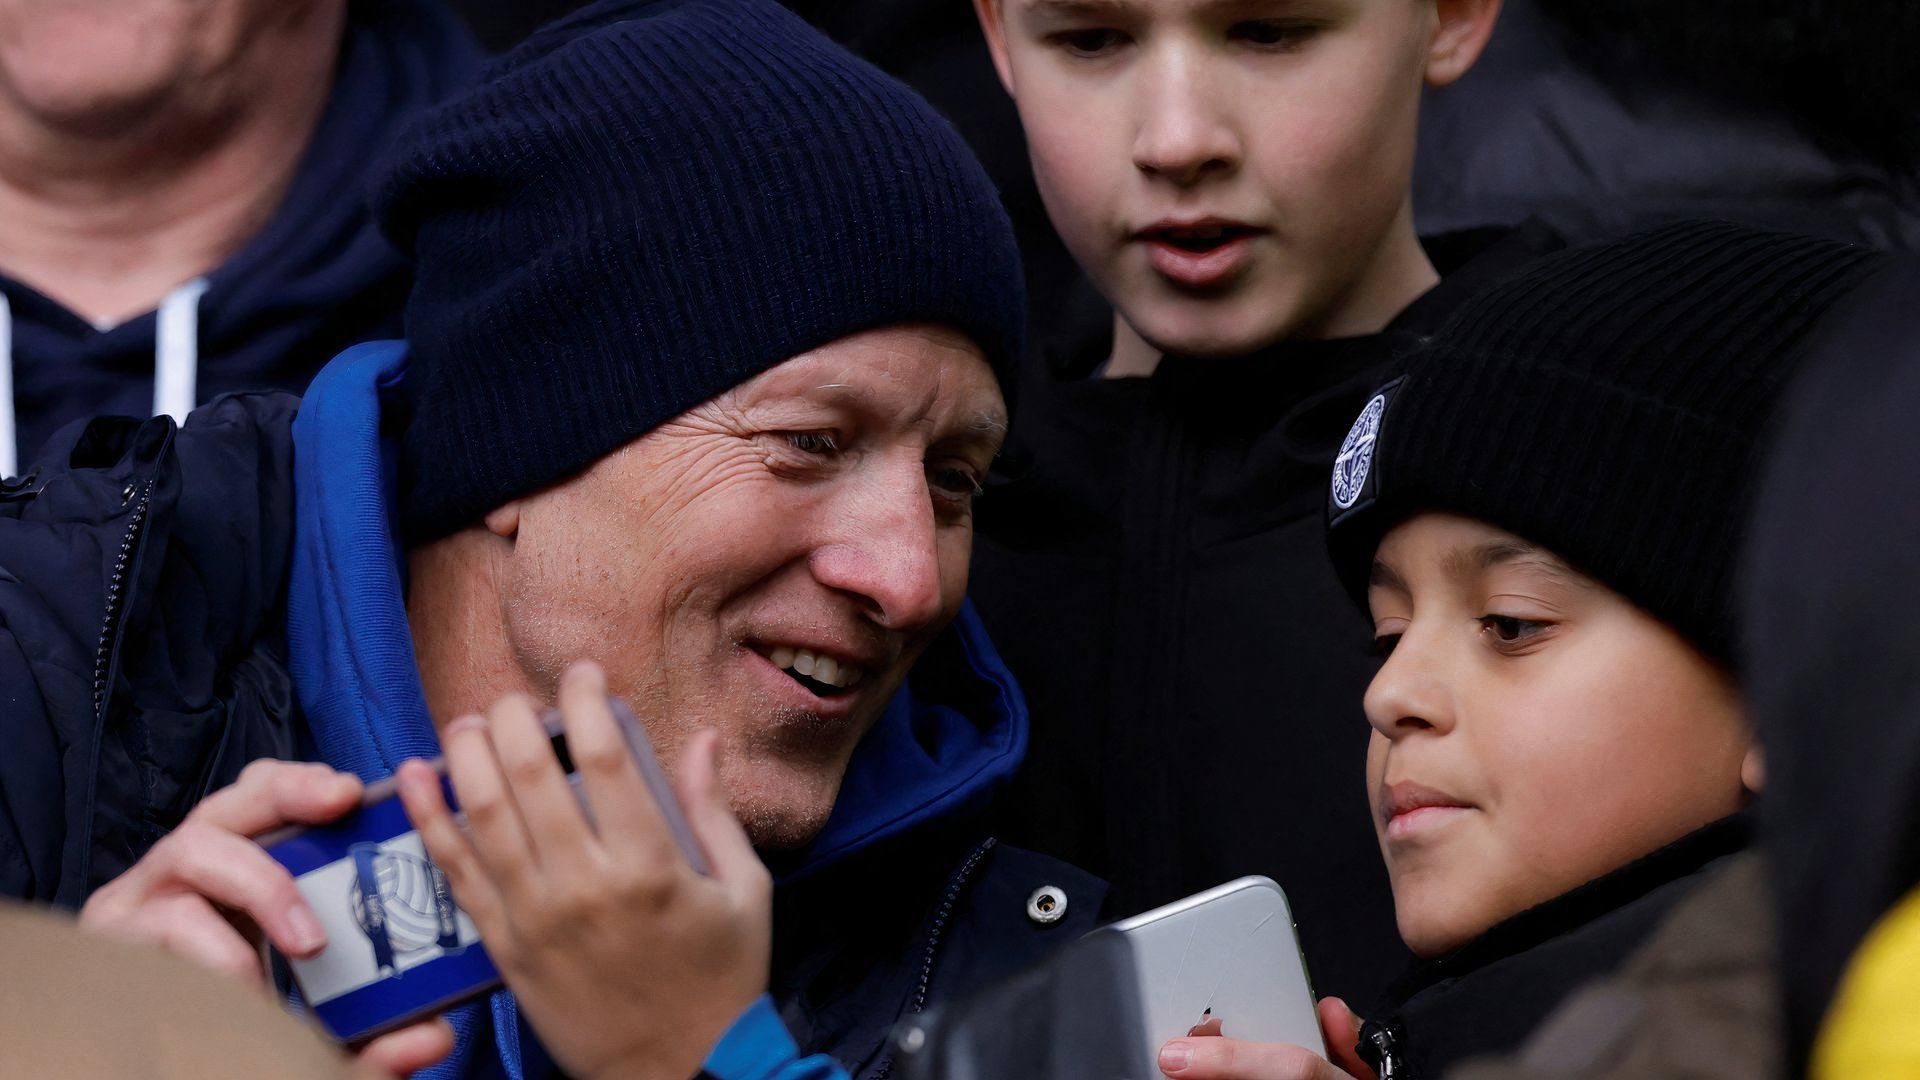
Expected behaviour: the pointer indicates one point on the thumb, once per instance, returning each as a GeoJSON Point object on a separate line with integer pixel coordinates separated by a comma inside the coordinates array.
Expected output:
{"type": "Point", "coordinates": [403, 1052]}
{"type": "Point", "coordinates": [1341, 1029]}
{"type": "Point", "coordinates": [704, 798]}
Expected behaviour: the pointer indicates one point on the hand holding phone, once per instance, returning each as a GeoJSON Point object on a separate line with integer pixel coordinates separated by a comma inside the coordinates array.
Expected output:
{"type": "Point", "coordinates": [1219, 977]}
{"type": "Point", "coordinates": [206, 891]}
{"type": "Point", "coordinates": [622, 956]}
{"type": "Point", "coordinates": [1209, 1055]}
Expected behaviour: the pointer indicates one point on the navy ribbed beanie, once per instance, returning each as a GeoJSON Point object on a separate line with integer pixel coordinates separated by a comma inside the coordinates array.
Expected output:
{"type": "Point", "coordinates": [646, 204]}
{"type": "Point", "coordinates": [1609, 403]}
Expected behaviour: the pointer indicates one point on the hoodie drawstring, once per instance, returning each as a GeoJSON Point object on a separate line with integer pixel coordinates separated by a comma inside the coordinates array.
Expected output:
{"type": "Point", "coordinates": [176, 351]}
{"type": "Point", "coordinates": [176, 367]}
{"type": "Point", "coordinates": [9, 453]}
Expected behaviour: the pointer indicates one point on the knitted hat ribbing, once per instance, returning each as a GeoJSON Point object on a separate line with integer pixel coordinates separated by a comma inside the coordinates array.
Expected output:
{"type": "Point", "coordinates": [1607, 403]}
{"type": "Point", "coordinates": [649, 203]}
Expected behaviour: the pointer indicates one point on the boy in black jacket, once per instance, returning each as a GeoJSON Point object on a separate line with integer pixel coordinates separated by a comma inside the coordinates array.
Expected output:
{"type": "Point", "coordinates": [1235, 181]}
{"type": "Point", "coordinates": [1543, 510]}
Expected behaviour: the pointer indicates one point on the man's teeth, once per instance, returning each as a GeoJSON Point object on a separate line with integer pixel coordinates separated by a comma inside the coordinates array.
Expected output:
{"type": "Point", "coordinates": [822, 669]}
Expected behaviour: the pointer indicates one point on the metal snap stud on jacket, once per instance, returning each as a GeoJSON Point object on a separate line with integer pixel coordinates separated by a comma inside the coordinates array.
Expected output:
{"type": "Point", "coordinates": [1047, 905]}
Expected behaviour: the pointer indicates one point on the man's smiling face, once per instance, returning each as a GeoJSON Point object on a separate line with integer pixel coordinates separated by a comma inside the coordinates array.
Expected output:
{"type": "Point", "coordinates": [769, 563]}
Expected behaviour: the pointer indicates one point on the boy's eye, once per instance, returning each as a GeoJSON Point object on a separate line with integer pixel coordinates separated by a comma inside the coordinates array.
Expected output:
{"type": "Point", "coordinates": [1383, 645]}
{"type": "Point", "coordinates": [1089, 44]}
{"type": "Point", "coordinates": [1269, 33]}
{"type": "Point", "coordinates": [1508, 630]}
{"type": "Point", "coordinates": [812, 442]}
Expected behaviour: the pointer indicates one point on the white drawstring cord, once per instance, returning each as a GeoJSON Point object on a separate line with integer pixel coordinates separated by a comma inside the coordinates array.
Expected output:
{"type": "Point", "coordinates": [9, 452]}
{"type": "Point", "coordinates": [177, 351]}
{"type": "Point", "coordinates": [176, 365]}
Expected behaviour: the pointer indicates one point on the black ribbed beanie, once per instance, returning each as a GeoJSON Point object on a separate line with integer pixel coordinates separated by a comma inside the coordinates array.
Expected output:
{"type": "Point", "coordinates": [1607, 403]}
{"type": "Point", "coordinates": [649, 203]}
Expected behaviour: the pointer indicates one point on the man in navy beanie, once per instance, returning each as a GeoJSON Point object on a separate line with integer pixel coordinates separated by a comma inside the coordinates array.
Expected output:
{"type": "Point", "coordinates": [702, 373]}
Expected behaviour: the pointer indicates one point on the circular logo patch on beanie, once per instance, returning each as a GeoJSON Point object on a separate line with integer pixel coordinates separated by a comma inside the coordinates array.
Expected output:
{"type": "Point", "coordinates": [1356, 454]}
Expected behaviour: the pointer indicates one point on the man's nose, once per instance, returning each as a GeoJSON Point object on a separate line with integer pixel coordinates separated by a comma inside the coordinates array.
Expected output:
{"type": "Point", "coordinates": [885, 553]}
{"type": "Point", "coordinates": [1410, 693]}
{"type": "Point", "coordinates": [1183, 134]}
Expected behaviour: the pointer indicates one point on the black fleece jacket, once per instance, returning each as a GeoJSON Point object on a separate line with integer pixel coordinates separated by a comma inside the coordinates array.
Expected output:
{"type": "Point", "coordinates": [1487, 997]}
{"type": "Point", "coordinates": [1153, 567]}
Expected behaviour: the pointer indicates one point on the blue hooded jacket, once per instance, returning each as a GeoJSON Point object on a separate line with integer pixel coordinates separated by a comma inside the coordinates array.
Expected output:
{"type": "Point", "coordinates": [906, 815]}
{"type": "Point", "coordinates": [315, 279]}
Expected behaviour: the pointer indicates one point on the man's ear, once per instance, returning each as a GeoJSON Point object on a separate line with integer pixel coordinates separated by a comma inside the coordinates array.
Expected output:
{"type": "Point", "coordinates": [991, 13]}
{"type": "Point", "coordinates": [504, 522]}
{"type": "Point", "coordinates": [1460, 35]}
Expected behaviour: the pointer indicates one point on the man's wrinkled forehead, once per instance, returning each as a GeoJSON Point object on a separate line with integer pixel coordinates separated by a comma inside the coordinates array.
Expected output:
{"type": "Point", "coordinates": [941, 382]}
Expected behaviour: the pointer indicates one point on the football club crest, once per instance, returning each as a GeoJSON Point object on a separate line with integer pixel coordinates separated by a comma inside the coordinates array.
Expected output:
{"type": "Point", "coordinates": [403, 904]}
{"type": "Point", "coordinates": [1355, 462]}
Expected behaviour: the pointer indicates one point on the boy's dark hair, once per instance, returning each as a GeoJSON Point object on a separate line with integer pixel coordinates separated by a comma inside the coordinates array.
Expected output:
{"type": "Point", "coordinates": [1607, 403]}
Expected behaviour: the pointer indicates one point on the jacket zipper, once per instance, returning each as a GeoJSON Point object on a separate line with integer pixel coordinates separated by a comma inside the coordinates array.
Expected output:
{"type": "Point", "coordinates": [1383, 1046]}
{"type": "Point", "coordinates": [935, 933]}
{"type": "Point", "coordinates": [103, 653]}
{"type": "Point", "coordinates": [106, 653]}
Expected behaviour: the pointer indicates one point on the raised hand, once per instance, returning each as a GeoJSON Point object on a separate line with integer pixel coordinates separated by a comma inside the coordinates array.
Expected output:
{"type": "Point", "coordinates": [624, 960]}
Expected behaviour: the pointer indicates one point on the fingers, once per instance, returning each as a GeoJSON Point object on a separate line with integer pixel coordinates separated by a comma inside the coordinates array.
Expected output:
{"type": "Point", "coordinates": [190, 891]}
{"type": "Point", "coordinates": [237, 873]}
{"type": "Point", "coordinates": [704, 799]}
{"type": "Point", "coordinates": [269, 794]}
{"type": "Point", "coordinates": [189, 927]}
{"type": "Point", "coordinates": [499, 839]}
{"type": "Point", "coordinates": [412, 1048]}
{"type": "Point", "coordinates": [202, 860]}
{"type": "Point", "coordinates": [1233, 1059]}
{"type": "Point", "coordinates": [630, 823]}
{"type": "Point", "coordinates": [1341, 1030]}
{"type": "Point", "coordinates": [560, 837]}
{"type": "Point", "coordinates": [446, 843]}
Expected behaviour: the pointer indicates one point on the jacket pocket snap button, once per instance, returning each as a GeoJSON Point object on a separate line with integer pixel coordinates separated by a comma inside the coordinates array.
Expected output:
{"type": "Point", "coordinates": [1047, 905]}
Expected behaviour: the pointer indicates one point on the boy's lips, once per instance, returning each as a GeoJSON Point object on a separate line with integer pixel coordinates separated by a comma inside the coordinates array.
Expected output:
{"type": "Point", "coordinates": [1411, 809]}
{"type": "Point", "coordinates": [1198, 253]}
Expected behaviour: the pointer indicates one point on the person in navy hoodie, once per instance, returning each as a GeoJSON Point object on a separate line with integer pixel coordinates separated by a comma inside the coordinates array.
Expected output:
{"type": "Point", "coordinates": [702, 372]}
{"type": "Point", "coordinates": [183, 195]}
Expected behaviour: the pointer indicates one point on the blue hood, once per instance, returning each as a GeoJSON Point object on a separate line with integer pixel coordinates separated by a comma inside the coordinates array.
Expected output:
{"type": "Point", "coordinates": [943, 745]}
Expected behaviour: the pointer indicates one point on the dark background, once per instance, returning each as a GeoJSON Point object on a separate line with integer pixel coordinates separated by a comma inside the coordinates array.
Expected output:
{"type": "Point", "coordinates": [1822, 100]}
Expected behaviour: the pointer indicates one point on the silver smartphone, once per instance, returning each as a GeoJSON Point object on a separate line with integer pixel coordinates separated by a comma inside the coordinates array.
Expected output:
{"type": "Point", "coordinates": [1102, 1007]}
{"type": "Point", "coordinates": [1228, 955]}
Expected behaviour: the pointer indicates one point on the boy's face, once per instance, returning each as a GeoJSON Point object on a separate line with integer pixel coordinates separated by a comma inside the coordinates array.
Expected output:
{"type": "Point", "coordinates": [1533, 729]}
{"type": "Point", "coordinates": [1232, 172]}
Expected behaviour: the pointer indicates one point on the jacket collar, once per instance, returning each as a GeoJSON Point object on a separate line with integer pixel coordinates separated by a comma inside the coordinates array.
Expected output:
{"type": "Point", "coordinates": [1583, 905]}
{"type": "Point", "coordinates": [348, 646]}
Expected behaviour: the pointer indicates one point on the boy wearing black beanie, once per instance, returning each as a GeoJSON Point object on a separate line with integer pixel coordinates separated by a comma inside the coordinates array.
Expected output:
{"type": "Point", "coordinates": [1542, 510]}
